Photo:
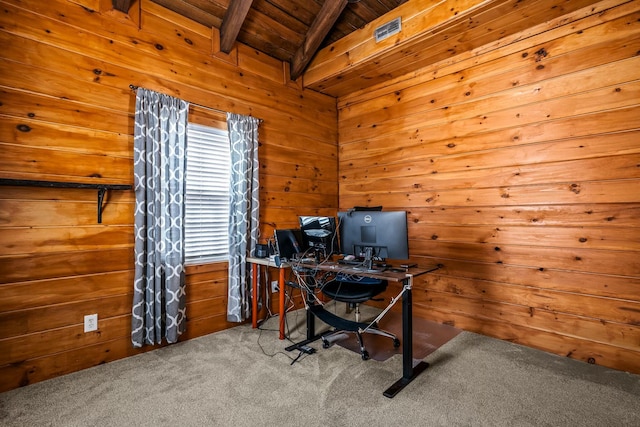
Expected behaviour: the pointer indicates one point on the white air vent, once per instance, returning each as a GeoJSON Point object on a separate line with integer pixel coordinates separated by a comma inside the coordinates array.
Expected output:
{"type": "Point", "coordinates": [388, 29]}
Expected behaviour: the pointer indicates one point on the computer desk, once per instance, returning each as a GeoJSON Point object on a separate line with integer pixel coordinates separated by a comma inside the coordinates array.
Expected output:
{"type": "Point", "coordinates": [409, 371]}
{"type": "Point", "coordinates": [267, 263]}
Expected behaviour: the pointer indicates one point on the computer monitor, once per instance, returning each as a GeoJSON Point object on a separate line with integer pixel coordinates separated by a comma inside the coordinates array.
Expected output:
{"type": "Point", "coordinates": [319, 234]}
{"type": "Point", "coordinates": [374, 235]}
{"type": "Point", "coordinates": [288, 243]}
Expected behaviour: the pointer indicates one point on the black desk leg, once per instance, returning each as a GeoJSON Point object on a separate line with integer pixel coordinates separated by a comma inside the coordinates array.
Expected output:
{"type": "Point", "coordinates": [311, 333]}
{"type": "Point", "coordinates": [409, 372]}
{"type": "Point", "coordinates": [311, 326]}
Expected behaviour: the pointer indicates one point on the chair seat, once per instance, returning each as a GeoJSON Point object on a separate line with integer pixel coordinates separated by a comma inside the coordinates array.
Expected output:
{"type": "Point", "coordinates": [336, 321]}
{"type": "Point", "coordinates": [353, 291]}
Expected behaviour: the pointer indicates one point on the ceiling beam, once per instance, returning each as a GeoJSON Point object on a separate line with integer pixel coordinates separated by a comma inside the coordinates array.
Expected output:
{"type": "Point", "coordinates": [232, 22]}
{"type": "Point", "coordinates": [318, 30]}
{"type": "Point", "coordinates": [122, 5]}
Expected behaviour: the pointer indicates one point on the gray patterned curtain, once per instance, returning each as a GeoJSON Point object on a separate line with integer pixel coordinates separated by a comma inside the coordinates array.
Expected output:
{"type": "Point", "coordinates": [244, 208]}
{"type": "Point", "coordinates": [159, 164]}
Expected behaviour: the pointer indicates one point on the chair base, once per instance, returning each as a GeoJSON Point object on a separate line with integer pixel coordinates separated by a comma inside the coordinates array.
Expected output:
{"type": "Point", "coordinates": [344, 326]}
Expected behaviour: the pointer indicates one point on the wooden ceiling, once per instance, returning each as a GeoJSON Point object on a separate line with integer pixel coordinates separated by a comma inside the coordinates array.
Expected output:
{"type": "Point", "coordinates": [290, 30]}
{"type": "Point", "coordinates": [433, 33]}
{"type": "Point", "coordinates": [331, 43]}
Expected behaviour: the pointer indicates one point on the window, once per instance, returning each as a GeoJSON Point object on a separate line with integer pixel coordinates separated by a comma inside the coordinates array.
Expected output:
{"type": "Point", "coordinates": [207, 195]}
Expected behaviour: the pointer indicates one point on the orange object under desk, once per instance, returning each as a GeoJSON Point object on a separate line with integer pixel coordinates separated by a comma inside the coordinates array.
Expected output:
{"type": "Point", "coordinates": [267, 263]}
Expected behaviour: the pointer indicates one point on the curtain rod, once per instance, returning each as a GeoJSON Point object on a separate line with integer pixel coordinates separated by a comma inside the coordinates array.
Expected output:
{"type": "Point", "coordinates": [134, 87]}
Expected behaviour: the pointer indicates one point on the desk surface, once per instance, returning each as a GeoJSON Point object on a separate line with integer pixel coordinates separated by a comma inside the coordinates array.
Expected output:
{"type": "Point", "coordinates": [267, 262]}
{"type": "Point", "coordinates": [388, 275]}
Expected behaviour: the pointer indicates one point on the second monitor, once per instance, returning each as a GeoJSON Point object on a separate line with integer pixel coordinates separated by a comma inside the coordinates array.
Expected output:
{"type": "Point", "coordinates": [319, 235]}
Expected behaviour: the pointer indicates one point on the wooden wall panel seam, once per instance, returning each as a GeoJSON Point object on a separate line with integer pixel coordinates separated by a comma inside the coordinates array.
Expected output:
{"type": "Point", "coordinates": [585, 126]}
{"type": "Point", "coordinates": [508, 115]}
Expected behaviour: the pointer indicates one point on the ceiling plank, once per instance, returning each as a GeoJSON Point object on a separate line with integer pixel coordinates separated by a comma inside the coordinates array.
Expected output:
{"type": "Point", "coordinates": [122, 5]}
{"type": "Point", "coordinates": [232, 22]}
{"type": "Point", "coordinates": [189, 9]}
{"type": "Point", "coordinates": [321, 25]}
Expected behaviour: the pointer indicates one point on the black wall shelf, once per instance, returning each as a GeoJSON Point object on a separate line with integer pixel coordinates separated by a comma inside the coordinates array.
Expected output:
{"type": "Point", "coordinates": [102, 188]}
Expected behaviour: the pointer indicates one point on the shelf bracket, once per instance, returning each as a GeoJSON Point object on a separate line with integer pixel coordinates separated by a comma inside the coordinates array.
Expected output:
{"type": "Point", "coordinates": [101, 193]}
{"type": "Point", "coordinates": [102, 188]}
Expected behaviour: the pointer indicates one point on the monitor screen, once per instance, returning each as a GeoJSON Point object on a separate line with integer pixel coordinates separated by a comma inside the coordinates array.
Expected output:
{"type": "Point", "coordinates": [380, 235]}
{"type": "Point", "coordinates": [288, 243]}
{"type": "Point", "coordinates": [319, 234]}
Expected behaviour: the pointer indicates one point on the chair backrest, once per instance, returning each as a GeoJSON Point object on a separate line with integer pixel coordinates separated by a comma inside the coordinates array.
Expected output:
{"type": "Point", "coordinates": [350, 278]}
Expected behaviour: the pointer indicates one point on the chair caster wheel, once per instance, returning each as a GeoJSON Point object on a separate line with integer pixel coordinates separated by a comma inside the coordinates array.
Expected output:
{"type": "Point", "coordinates": [396, 343]}
{"type": "Point", "coordinates": [365, 355]}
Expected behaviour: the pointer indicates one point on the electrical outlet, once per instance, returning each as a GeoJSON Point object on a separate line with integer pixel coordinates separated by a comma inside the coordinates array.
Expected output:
{"type": "Point", "coordinates": [274, 286]}
{"type": "Point", "coordinates": [90, 322]}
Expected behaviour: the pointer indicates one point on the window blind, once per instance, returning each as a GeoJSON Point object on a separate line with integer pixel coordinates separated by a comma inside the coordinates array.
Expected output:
{"type": "Point", "coordinates": [207, 195]}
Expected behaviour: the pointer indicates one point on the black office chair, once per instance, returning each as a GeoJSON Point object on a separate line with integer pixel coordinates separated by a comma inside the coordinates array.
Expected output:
{"type": "Point", "coordinates": [354, 291]}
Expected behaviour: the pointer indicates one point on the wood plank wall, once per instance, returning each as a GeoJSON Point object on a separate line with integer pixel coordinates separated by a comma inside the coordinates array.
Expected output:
{"type": "Point", "coordinates": [519, 163]}
{"type": "Point", "coordinates": [66, 114]}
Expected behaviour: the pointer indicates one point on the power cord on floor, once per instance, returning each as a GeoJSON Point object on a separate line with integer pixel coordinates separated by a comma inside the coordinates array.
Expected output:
{"type": "Point", "coordinates": [303, 350]}
{"type": "Point", "coordinates": [277, 352]}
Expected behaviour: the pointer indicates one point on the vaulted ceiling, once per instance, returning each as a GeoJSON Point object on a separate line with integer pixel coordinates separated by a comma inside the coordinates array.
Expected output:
{"type": "Point", "coordinates": [332, 43]}
{"type": "Point", "coordinates": [290, 30]}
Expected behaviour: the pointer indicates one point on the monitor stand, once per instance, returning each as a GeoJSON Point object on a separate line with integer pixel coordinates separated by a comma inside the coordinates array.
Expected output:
{"type": "Point", "coordinates": [320, 253]}
{"type": "Point", "coordinates": [367, 264]}
{"type": "Point", "coordinates": [368, 258]}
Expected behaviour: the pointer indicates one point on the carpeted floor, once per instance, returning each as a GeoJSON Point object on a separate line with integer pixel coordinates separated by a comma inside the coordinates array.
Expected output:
{"type": "Point", "coordinates": [242, 377]}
